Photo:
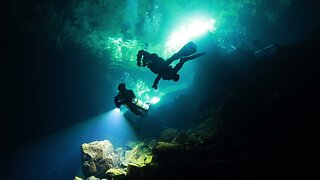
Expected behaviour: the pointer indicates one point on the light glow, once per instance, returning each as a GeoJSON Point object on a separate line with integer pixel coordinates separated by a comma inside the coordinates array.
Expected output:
{"type": "Point", "coordinates": [155, 100]}
{"type": "Point", "coordinates": [116, 113]}
{"type": "Point", "coordinates": [187, 32]}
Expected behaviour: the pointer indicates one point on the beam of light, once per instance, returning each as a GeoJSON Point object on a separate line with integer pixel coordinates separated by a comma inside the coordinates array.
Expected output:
{"type": "Point", "coordinates": [115, 114]}
{"type": "Point", "coordinates": [113, 126]}
{"type": "Point", "coordinates": [155, 100]}
{"type": "Point", "coordinates": [60, 152]}
{"type": "Point", "coordinates": [116, 110]}
{"type": "Point", "coordinates": [187, 32]}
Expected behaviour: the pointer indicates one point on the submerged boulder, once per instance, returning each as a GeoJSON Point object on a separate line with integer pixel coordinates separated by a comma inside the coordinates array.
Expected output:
{"type": "Point", "coordinates": [116, 173]}
{"type": "Point", "coordinates": [97, 158]}
{"type": "Point", "coordinates": [77, 178]}
{"type": "Point", "coordinates": [93, 178]}
{"type": "Point", "coordinates": [140, 155]}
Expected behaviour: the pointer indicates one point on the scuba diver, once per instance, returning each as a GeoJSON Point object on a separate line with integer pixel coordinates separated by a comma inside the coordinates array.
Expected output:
{"type": "Point", "coordinates": [127, 98]}
{"type": "Point", "coordinates": [162, 68]}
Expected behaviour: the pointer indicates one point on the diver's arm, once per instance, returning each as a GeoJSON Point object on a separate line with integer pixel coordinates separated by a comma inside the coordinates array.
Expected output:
{"type": "Point", "coordinates": [139, 56]}
{"type": "Point", "coordinates": [156, 81]}
{"type": "Point", "coordinates": [131, 94]}
{"type": "Point", "coordinates": [116, 101]}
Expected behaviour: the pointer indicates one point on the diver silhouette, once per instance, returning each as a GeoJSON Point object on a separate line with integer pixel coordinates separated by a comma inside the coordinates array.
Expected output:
{"type": "Point", "coordinates": [127, 98]}
{"type": "Point", "coordinates": [163, 68]}
{"type": "Point", "coordinates": [124, 95]}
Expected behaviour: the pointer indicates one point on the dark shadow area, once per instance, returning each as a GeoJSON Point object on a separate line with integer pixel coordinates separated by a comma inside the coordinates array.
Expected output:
{"type": "Point", "coordinates": [267, 113]}
{"type": "Point", "coordinates": [48, 89]}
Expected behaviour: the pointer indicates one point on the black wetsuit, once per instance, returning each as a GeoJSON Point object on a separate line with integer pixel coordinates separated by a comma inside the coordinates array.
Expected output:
{"type": "Point", "coordinates": [162, 68]}
{"type": "Point", "coordinates": [124, 98]}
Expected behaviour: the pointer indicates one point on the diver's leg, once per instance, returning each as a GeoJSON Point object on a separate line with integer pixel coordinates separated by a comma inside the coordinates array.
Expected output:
{"type": "Point", "coordinates": [186, 50]}
{"type": "Point", "coordinates": [172, 58]}
{"type": "Point", "coordinates": [178, 66]}
{"type": "Point", "coordinates": [187, 58]}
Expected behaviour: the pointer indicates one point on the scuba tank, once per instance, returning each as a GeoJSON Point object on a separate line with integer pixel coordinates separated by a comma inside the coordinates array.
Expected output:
{"type": "Point", "coordinates": [140, 104]}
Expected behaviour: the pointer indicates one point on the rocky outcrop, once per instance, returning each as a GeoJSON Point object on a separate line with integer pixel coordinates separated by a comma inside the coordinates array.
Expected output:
{"type": "Point", "coordinates": [116, 173]}
{"type": "Point", "coordinates": [97, 158]}
{"type": "Point", "coordinates": [100, 160]}
{"type": "Point", "coordinates": [144, 160]}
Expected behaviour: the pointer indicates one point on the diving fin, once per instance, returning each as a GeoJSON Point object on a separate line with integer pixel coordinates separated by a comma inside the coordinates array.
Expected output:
{"type": "Point", "coordinates": [193, 56]}
{"type": "Point", "coordinates": [187, 49]}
